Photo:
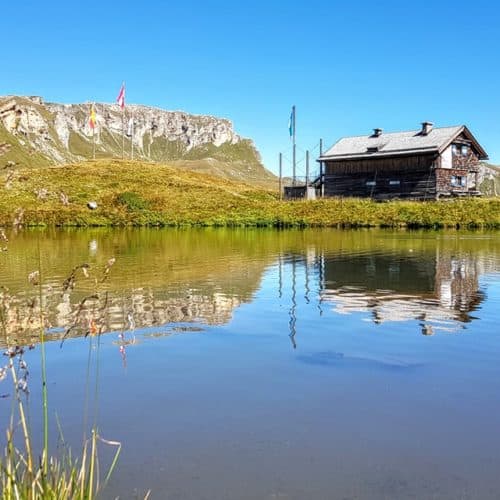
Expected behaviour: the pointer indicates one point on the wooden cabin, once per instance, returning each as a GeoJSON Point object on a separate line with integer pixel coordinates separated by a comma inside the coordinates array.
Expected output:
{"type": "Point", "coordinates": [424, 164]}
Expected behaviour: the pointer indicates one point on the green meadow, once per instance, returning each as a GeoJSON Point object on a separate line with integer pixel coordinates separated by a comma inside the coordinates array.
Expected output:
{"type": "Point", "coordinates": [129, 193]}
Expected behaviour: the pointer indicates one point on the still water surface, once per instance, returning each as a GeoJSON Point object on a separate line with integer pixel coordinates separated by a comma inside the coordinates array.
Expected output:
{"type": "Point", "coordinates": [255, 364]}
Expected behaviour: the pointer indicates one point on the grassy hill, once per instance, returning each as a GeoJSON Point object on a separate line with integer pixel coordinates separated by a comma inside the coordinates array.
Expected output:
{"type": "Point", "coordinates": [13, 151]}
{"type": "Point", "coordinates": [139, 193]}
{"type": "Point", "coordinates": [37, 134]}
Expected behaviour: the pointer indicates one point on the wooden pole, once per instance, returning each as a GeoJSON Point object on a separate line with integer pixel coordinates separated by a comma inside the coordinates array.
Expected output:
{"type": "Point", "coordinates": [281, 176]}
{"type": "Point", "coordinates": [93, 142]}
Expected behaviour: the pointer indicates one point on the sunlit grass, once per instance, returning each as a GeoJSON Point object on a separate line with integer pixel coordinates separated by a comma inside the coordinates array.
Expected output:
{"type": "Point", "coordinates": [147, 194]}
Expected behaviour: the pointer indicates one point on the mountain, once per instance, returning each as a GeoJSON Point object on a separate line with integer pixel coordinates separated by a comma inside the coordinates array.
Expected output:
{"type": "Point", "coordinates": [38, 133]}
{"type": "Point", "coordinates": [489, 179]}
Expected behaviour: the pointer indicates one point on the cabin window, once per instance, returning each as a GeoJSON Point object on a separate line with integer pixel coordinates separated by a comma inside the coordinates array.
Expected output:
{"type": "Point", "coordinates": [459, 180]}
{"type": "Point", "coordinates": [371, 183]}
{"type": "Point", "coordinates": [460, 149]}
{"type": "Point", "coordinates": [394, 183]}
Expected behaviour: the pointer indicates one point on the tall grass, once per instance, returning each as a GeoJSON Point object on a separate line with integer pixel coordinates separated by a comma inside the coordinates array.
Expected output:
{"type": "Point", "coordinates": [24, 472]}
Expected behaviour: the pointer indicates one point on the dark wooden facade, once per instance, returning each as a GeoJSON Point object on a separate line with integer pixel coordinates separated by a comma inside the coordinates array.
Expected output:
{"type": "Point", "coordinates": [450, 169]}
{"type": "Point", "coordinates": [408, 177]}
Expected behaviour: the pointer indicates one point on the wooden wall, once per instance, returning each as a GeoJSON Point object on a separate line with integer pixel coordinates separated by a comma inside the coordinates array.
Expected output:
{"type": "Point", "coordinates": [411, 176]}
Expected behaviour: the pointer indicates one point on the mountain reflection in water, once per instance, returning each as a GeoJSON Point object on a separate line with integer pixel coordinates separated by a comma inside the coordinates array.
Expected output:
{"type": "Point", "coordinates": [165, 277]}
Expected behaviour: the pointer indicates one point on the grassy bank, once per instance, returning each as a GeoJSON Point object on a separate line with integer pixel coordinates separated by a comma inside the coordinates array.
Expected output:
{"type": "Point", "coordinates": [136, 193]}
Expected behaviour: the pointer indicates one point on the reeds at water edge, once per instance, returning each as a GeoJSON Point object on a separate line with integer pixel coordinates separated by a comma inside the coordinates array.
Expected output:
{"type": "Point", "coordinates": [39, 474]}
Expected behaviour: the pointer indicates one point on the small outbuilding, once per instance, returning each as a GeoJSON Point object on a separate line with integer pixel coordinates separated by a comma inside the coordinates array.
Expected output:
{"type": "Point", "coordinates": [428, 163]}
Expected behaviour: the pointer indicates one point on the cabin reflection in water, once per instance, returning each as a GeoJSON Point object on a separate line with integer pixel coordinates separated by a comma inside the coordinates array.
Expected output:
{"type": "Point", "coordinates": [439, 289]}
{"type": "Point", "coordinates": [436, 285]}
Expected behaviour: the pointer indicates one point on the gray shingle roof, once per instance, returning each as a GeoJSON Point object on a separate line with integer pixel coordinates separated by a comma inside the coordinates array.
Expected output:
{"type": "Point", "coordinates": [395, 143]}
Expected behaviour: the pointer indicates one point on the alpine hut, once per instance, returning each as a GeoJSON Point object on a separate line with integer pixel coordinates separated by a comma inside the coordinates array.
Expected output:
{"type": "Point", "coordinates": [428, 163]}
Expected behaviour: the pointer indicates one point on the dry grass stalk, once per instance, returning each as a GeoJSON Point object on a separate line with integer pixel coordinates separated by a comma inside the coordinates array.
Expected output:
{"type": "Point", "coordinates": [23, 473]}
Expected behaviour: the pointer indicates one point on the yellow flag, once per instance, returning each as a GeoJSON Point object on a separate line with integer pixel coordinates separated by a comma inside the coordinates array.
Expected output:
{"type": "Point", "coordinates": [93, 117]}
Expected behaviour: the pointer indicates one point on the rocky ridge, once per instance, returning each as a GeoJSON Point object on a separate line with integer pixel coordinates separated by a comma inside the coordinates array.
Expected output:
{"type": "Point", "coordinates": [489, 179]}
{"type": "Point", "coordinates": [35, 133]}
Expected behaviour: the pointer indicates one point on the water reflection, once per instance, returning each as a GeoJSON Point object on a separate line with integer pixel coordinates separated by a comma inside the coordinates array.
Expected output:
{"type": "Point", "coordinates": [125, 311]}
{"type": "Point", "coordinates": [172, 277]}
{"type": "Point", "coordinates": [434, 282]}
{"type": "Point", "coordinates": [441, 290]}
{"type": "Point", "coordinates": [370, 397]}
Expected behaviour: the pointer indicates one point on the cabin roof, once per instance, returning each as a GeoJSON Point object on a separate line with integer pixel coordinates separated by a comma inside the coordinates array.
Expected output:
{"type": "Point", "coordinates": [412, 142]}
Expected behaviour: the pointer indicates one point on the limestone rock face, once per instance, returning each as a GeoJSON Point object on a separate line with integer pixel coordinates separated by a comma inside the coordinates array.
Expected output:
{"type": "Point", "coordinates": [489, 179]}
{"type": "Point", "coordinates": [62, 132]}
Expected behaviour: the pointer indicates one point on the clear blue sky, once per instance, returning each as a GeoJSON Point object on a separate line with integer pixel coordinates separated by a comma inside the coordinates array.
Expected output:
{"type": "Point", "coordinates": [347, 66]}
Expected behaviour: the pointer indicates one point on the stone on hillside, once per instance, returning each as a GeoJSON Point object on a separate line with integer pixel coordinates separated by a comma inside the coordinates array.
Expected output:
{"type": "Point", "coordinates": [64, 198]}
{"type": "Point", "coordinates": [4, 148]}
{"type": "Point", "coordinates": [42, 193]}
{"type": "Point", "coordinates": [18, 217]}
{"type": "Point", "coordinates": [92, 205]}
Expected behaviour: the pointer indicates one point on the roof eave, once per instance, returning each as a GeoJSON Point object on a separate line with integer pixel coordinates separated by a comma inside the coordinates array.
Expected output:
{"type": "Point", "coordinates": [388, 154]}
{"type": "Point", "coordinates": [483, 155]}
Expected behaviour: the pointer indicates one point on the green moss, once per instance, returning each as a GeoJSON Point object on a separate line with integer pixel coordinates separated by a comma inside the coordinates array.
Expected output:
{"type": "Point", "coordinates": [132, 201]}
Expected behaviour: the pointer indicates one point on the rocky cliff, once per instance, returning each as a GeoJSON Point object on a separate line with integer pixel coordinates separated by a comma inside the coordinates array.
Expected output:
{"type": "Point", "coordinates": [34, 133]}
{"type": "Point", "coordinates": [489, 179]}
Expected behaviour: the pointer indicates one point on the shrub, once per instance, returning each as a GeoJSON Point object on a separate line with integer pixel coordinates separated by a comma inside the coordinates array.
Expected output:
{"type": "Point", "coordinates": [132, 201]}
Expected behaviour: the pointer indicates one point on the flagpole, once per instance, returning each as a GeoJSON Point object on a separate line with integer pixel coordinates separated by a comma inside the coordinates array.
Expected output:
{"type": "Point", "coordinates": [99, 130]}
{"type": "Point", "coordinates": [132, 137]}
{"type": "Point", "coordinates": [123, 127]}
{"type": "Point", "coordinates": [281, 176]}
{"type": "Point", "coordinates": [294, 148]}
{"type": "Point", "coordinates": [150, 141]}
{"type": "Point", "coordinates": [93, 123]}
{"type": "Point", "coordinates": [123, 133]}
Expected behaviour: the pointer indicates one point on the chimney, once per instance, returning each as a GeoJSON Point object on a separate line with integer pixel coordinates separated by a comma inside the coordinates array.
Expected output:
{"type": "Point", "coordinates": [426, 128]}
{"type": "Point", "coordinates": [377, 132]}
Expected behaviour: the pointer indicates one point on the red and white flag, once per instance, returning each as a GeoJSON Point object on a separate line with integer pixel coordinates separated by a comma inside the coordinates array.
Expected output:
{"type": "Point", "coordinates": [121, 97]}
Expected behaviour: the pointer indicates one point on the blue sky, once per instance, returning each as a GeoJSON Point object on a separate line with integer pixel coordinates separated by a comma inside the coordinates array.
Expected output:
{"type": "Point", "coordinates": [347, 66]}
